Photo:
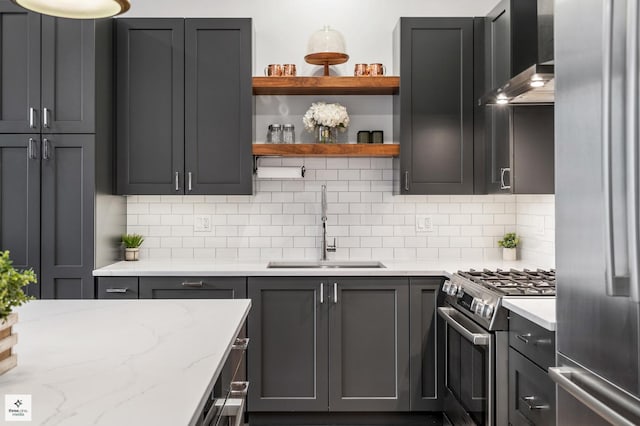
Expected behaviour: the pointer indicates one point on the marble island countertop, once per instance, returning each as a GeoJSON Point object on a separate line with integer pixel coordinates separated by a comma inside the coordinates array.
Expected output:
{"type": "Point", "coordinates": [121, 362]}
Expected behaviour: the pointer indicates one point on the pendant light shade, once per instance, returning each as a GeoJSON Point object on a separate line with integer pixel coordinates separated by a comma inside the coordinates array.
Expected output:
{"type": "Point", "coordinates": [76, 9]}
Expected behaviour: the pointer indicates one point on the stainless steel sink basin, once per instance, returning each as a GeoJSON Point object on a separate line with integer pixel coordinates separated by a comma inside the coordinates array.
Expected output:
{"type": "Point", "coordinates": [322, 264]}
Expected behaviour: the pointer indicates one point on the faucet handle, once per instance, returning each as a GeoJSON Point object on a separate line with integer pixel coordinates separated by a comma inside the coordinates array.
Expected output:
{"type": "Point", "coordinates": [332, 247]}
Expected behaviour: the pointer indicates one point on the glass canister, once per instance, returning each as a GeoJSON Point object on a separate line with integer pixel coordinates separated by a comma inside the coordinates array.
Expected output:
{"type": "Point", "coordinates": [274, 135]}
{"type": "Point", "coordinates": [288, 133]}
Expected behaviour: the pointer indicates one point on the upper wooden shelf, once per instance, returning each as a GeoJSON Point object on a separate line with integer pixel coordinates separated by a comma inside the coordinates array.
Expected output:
{"type": "Point", "coordinates": [327, 150]}
{"type": "Point", "coordinates": [387, 85]}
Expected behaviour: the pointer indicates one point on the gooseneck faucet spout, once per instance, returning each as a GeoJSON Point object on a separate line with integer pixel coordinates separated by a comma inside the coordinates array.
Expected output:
{"type": "Point", "coordinates": [325, 247]}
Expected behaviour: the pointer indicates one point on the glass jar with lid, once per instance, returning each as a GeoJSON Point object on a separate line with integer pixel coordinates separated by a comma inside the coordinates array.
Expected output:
{"type": "Point", "coordinates": [288, 133]}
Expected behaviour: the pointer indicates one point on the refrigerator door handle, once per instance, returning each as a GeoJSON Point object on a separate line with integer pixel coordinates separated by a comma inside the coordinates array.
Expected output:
{"type": "Point", "coordinates": [631, 139]}
{"type": "Point", "coordinates": [581, 386]}
{"type": "Point", "coordinates": [616, 285]}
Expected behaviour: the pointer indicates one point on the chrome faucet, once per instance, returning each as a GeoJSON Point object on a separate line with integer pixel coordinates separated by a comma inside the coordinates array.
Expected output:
{"type": "Point", "coordinates": [325, 247]}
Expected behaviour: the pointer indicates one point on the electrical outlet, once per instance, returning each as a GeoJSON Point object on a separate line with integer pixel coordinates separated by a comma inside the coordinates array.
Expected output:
{"type": "Point", "coordinates": [539, 225]}
{"type": "Point", "coordinates": [202, 223]}
{"type": "Point", "coordinates": [424, 223]}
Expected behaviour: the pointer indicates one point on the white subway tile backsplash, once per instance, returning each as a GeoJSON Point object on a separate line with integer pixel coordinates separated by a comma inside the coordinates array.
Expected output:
{"type": "Point", "coordinates": [282, 219]}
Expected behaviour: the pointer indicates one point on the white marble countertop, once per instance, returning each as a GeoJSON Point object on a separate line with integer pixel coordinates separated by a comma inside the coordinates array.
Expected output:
{"type": "Point", "coordinates": [540, 310]}
{"type": "Point", "coordinates": [121, 362]}
{"type": "Point", "coordinates": [191, 267]}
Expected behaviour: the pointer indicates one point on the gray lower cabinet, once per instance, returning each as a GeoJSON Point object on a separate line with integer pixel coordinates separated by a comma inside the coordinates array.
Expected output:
{"type": "Point", "coordinates": [193, 287]}
{"type": "Point", "coordinates": [314, 340]}
{"type": "Point", "coordinates": [49, 71]}
{"type": "Point", "coordinates": [532, 393]}
{"type": "Point", "coordinates": [184, 100]}
{"type": "Point", "coordinates": [426, 345]}
{"type": "Point", "coordinates": [433, 112]}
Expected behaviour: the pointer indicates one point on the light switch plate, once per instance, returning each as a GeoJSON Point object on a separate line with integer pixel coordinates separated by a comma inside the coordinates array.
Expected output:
{"type": "Point", "coordinates": [424, 223]}
{"type": "Point", "coordinates": [202, 223]}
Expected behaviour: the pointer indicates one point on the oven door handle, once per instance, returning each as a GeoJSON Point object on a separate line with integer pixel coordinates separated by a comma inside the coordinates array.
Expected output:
{"type": "Point", "coordinates": [478, 339]}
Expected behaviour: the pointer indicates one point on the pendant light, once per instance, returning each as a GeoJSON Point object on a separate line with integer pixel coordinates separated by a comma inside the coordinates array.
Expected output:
{"type": "Point", "coordinates": [76, 9]}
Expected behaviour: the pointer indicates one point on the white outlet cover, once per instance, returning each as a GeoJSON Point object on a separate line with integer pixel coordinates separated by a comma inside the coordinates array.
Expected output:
{"type": "Point", "coordinates": [424, 223]}
{"type": "Point", "coordinates": [202, 223]}
{"type": "Point", "coordinates": [539, 225]}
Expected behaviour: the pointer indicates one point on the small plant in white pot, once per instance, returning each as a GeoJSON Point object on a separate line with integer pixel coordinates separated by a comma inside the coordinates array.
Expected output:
{"type": "Point", "coordinates": [509, 243]}
{"type": "Point", "coordinates": [132, 243]}
{"type": "Point", "coordinates": [11, 296]}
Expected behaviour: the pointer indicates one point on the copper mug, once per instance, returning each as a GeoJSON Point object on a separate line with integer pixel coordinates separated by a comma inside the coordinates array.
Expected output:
{"type": "Point", "coordinates": [376, 69]}
{"type": "Point", "coordinates": [361, 70]}
{"type": "Point", "coordinates": [273, 70]}
{"type": "Point", "coordinates": [289, 70]}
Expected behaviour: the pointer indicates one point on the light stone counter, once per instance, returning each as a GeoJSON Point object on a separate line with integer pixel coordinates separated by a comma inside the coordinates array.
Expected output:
{"type": "Point", "coordinates": [121, 362]}
{"type": "Point", "coordinates": [540, 310]}
{"type": "Point", "coordinates": [177, 267]}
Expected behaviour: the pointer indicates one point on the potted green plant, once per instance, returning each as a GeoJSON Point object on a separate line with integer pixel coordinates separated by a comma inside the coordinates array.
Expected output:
{"type": "Point", "coordinates": [11, 296]}
{"type": "Point", "coordinates": [132, 243]}
{"type": "Point", "coordinates": [509, 243]}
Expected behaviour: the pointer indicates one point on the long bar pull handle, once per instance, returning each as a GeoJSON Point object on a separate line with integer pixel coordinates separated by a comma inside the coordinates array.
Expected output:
{"type": "Point", "coordinates": [177, 181]}
{"type": "Point", "coordinates": [31, 149]}
{"type": "Point", "coordinates": [477, 339]}
{"type": "Point", "coordinates": [46, 147]}
{"type": "Point", "coordinates": [503, 171]}
{"type": "Point", "coordinates": [335, 292]}
{"type": "Point", "coordinates": [32, 118]}
{"type": "Point", "coordinates": [117, 290]}
{"type": "Point", "coordinates": [406, 180]}
{"type": "Point", "coordinates": [46, 112]}
{"type": "Point", "coordinates": [631, 138]}
{"type": "Point", "coordinates": [195, 284]}
{"type": "Point", "coordinates": [581, 387]}
{"type": "Point", "coordinates": [321, 293]}
{"type": "Point", "coordinates": [189, 181]}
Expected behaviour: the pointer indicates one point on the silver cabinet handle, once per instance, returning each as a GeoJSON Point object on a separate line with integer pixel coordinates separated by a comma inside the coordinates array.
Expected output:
{"type": "Point", "coordinates": [591, 391]}
{"type": "Point", "coordinates": [177, 181]}
{"type": "Point", "coordinates": [530, 402]}
{"type": "Point", "coordinates": [321, 293]}
{"type": "Point", "coordinates": [241, 344]}
{"type": "Point", "coordinates": [31, 149]}
{"type": "Point", "coordinates": [45, 117]}
{"type": "Point", "coordinates": [32, 118]}
{"type": "Point", "coordinates": [46, 148]}
{"type": "Point", "coordinates": [239, 389]}
{"type": "Point", "coordinates": [195, 284]}
{"type": "Point", "coordinates": [478, 339]}
{"type": "Point", "coordinates": [189, 181]}
{"type": "Point", "coordinates": [406, 180]}
{"type": "Point", "coordinates": [631, 139]}
{"type": "Point", "coordinates": [117, 290]}
{"type": "Point", "coordinates": [523, 337]}
{"type": "Point", "coordinates": [335, 292]}
{"type": "Point", "coordinates": [504, 170]}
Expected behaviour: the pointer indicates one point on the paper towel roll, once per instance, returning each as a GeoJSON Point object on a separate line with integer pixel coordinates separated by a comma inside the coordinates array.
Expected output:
{"type": "Point", "coordinates": [280, 172]}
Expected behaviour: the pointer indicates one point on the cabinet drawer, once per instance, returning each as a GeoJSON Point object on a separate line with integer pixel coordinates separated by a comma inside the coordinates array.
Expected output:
{"type": "Point", "coordinates": [117, 288]}
{"type": "Point", "coordinates": [531, 393]}
{"type": "Point", "coordinates": [193, 288]}
{"type": "Point", "coordinates": [536, 343]}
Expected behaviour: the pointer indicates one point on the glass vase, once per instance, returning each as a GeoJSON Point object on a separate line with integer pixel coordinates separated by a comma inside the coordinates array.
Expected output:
{"type": "Point", "coordinates": [326, 134]}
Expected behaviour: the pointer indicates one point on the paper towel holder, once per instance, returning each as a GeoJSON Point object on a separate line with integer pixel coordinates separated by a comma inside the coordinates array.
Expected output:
{"type": "Point", "coordinates": [256, 159]}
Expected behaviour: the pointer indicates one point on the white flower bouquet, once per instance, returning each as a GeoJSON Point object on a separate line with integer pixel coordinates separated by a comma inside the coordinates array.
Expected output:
{"type": "Point", "coordinates": [323, 114]}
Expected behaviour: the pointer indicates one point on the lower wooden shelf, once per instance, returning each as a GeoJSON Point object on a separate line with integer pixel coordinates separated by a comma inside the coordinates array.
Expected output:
{"type": "Point", "coordinates": [327, 150]}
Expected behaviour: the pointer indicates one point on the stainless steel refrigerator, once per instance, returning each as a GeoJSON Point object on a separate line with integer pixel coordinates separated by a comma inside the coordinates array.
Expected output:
{"type": "Point", "coordinates": [597, 204]}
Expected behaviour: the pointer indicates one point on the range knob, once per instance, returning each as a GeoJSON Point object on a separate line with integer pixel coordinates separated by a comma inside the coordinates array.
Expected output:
{"type": "Point", "coordinates": [477, 305]}
{"type": "Point", "coordinates": [487, 311]}
{"type": "Point", "coordinates": [460, 293]}
{"type": "Point", "coordinates": [446, 286]}
{"type": "Point", "coordinates": [453, 290]}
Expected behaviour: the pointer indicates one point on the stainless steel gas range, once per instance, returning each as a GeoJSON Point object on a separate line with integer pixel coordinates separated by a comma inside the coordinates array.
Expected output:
{"type": "Point", "coordinates": [476, 335]}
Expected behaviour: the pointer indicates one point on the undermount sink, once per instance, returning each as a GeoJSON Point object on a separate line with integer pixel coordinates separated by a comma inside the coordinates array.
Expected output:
{"type": "Point", "coordinates": [325, 264]}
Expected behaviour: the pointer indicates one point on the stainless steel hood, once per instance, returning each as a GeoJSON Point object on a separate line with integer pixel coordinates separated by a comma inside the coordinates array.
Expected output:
{"type": "Point", "coordinates": [534, 86]}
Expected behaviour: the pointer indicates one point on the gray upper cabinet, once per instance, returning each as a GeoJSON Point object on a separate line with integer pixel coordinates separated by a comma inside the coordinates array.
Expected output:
{"type": "Point", "coordinates": [184, 106]}
{"type": "Point", "coordinates": [433, 113]}
{"type": "Point", "coordinates": [48, 78]}
{"type": "Point", "coordinates": [313, 340]}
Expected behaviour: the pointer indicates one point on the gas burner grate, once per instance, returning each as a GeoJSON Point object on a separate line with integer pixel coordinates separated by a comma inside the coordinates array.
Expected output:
{"type": "Point", "coordinates": [515, 282]}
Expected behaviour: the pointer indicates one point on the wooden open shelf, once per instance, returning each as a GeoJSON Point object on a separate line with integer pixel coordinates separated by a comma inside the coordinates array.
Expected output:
{"type": "Point", "coordinates": [327, 150]}
{"type": "Point", "coordinates": [385, 85]}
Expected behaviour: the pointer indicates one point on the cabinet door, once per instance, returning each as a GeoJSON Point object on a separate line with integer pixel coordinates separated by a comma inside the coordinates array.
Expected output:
{"type": "Point", "coordinates": [532, 393]}
{"type": "Point", "coordinates": [287, 357]}
{"type": "Point", "coordinates": [369, 344]}
{"type": "Point", "coordinates": [436, 106]}
{"type": "Point", "coordinates": [20, 202]}
{"type": "Point", "coordinates": [20, 76]}
{"type": "Point", "coordinates": [218, 102]}
{"type": "Point", "coordinates": [192, 288]}
{"type": "Point", "coordinates": [150, 106]}
{"type": "Point", "coordinates": [67, 197]}
{"type": "Point", "coordinates": [426, 345]}
{"type": "Point", "coordinates": [68, 75]}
